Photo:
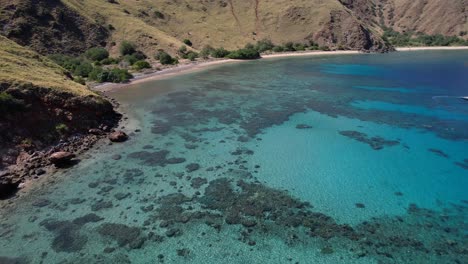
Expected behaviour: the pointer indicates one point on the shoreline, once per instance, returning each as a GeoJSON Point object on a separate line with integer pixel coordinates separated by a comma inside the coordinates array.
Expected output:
{"type": "Point", "coordinates": [197, 66]}
{"type": "Point", "coordinates": [431, 48]}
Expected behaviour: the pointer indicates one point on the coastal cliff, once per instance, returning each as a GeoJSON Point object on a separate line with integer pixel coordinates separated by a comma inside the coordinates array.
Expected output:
{"type": "Point", "coordinates": [40, 106]}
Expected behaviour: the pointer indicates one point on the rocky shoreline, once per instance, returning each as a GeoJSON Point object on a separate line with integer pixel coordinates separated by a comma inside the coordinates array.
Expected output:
{"type": "Point", "coordinates": [30, 164]}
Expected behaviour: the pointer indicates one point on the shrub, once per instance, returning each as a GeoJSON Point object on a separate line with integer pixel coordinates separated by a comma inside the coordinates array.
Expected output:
{"type": "Point", "coordinates": [219, 53]}
{"type": "Point", "coordinates": [289, 46]}
{"type": "Point", "coordinates": [119, 75]}
{"type": "Point", "coordinates": [109, 61]}
{"type": "Point", "coordinates": [299, 47]}
{"type": "Point", "coordinates": [192, 56]}
{"type": "Point", "coordinates": [115, 75]}
{"type": "Point", "coordinates": [96, 54]}
{"type": "Point", "coordinates": [206, 52]}
{"type": "Point", "coordinates": [264, 45]}
{"type": "Point", "coordinates": [140, 65]}
{"type": "Point", "coordinates": [83, 69]}
{"type": "Point", "coordinates": [9, 104]}
{"type": "Point", "coordinates": [79, 80]}
{"type": "Point", "coordinates": [127, 48]}
{"type": "Point", "coordinates": [278, 49]}
{"type": "Point", "coordinates": [324, 48]}
{"type": "Point", "coordinates": [66, 62]}
{"type": "Point", "coordinates": [165, 58]}
{"type": "Point", "coordinates": [244, 54]}
{"type": "Point", "coordinates": [188, 42]}
{"type": "Point", "coordinates": [182, 51]}
{"type": "Point", "coordinates": [158, 14]}
{"type": "Point", "coordinates": [61, 128]}
{"type": "Point", "coordinates": [134, 57]}
{"type": "Point", "coordinates": [249, 46]}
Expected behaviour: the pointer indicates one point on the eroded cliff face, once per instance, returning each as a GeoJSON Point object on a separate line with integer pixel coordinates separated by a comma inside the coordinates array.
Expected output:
{"type": "Point", "coordinates": [48, 26]}
{"type": "Point", "coordinates": [43, 116]}
{"type": "Point", "coordinates": [446, 17]}
{"type": "Point", "coordinates": [343, 30]}
{"type": "Point", "coordinates": [449, 18]}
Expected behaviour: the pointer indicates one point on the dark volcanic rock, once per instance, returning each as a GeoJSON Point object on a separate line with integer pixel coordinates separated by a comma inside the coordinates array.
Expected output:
{"type": "Point", "coordinates": [8, 188]}
{"type": "Point", "coordinates": [61, 158]}
{"type": "Point", "coordinates": [95, 131]}
{"type": "Point", "coordinates": [118, 136]}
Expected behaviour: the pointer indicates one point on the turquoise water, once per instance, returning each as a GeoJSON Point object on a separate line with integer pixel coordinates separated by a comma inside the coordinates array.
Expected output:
{"type": "Point", "coordinates": [347, 159]}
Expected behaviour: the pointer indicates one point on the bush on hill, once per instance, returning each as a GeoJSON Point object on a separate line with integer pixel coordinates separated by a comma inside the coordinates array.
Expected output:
{"type": "Point", "coordinates": [164, 58]}
{"type": "Point", "coordinates": [115, 75]}
{"type": "Point", "coordinates": [244, 54]}
{"type": "Point", "coordinates": [142, 64]}
{"type": "Point", "coordinates": [97, 54]}
{"type": "Point", "coordinates": [188, 42]}
{"type": "Point", "coordinates": [219, 53]}
{"type": "Point", "coordinates": [127, 48]}
{"type": "Point", "coordinates": [192, 55]}
{"type": "Point", "coordinates": [264, 45]}
{"type": "Point", "coordinates": [206, 52]}
{"type": "Point", "coordinates": [9, 104]}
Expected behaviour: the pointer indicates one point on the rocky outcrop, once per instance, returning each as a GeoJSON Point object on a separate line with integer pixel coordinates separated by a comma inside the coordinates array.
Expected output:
{"type": "Point", "coordinates": [49, 26]}
{"type": "Point", "coordinates": [344, 31]}
{"type": "Point", "coordinates": [8, 186]}
{"type": "Point", "coordinates": [61, 158]}
{"type": "Point", "coordinates": [39, 118]}
{"type": "Point", "coordinates": [118, 136]}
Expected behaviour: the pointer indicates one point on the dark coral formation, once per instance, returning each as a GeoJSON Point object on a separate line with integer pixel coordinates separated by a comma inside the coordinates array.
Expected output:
{"type": "Point", "coordinates": [68, 237]}
{"type": "Point", "coordinates": [122, 234]}
{"type": "Point", "coordinates": [376, 143]}
{"type": "Point", "coordinates": [462, 164]}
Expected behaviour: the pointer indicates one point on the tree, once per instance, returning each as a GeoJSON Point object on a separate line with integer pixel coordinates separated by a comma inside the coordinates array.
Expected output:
{"type": "Point", "coordinates": [127, 48]}
{"type": "Point", "coordinates": [96, 54]}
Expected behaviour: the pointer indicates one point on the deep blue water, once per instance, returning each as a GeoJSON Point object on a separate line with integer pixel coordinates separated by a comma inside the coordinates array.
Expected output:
{"type": "Point", "coordinates": [333, 159]}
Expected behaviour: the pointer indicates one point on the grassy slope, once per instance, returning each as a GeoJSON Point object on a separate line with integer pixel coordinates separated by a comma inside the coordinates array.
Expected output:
{"type": "Point", "coordinates": [20, 65]}
{"type": "Point", "coordinates": [208, 22]}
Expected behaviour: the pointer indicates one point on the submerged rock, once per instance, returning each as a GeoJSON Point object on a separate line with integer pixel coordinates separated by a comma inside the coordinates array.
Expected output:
{"type": "Point", "coordinates": [192, 167]}
{"type": "Point", "coordinates": [303, 126]}
{"type": "Point", "coordinates": [118, 136]}
{"type": "Point", "coordinates": [123, 234]}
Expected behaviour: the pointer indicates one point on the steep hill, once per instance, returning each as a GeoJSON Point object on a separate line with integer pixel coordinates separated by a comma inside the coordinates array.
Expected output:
{"type": "Point", "coordinates": [49, 26]}
{"type": "Point", "coordinates": [39, 103]}
{"type": "Point", "coordinates": [71, 26]}
{"type": "Point", "coordinates": [448, 18]}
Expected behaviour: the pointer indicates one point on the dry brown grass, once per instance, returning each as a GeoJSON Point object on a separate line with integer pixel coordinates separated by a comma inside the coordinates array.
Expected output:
{"type": "Point", "coordinates": [207, 22]}
{"type": "Point", "coordinates": [21, 65]}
